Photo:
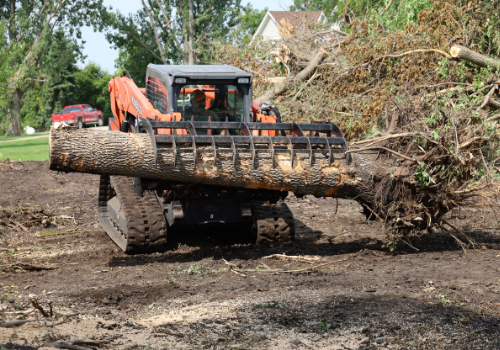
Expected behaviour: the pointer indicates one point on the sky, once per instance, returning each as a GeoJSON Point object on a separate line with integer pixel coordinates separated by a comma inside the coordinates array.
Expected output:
{"type": "Point", "coordinates": [98, 50]}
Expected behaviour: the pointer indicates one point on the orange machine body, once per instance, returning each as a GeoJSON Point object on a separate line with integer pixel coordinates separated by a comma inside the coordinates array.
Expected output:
{"type": "Point", "coordinates": [128, 99]}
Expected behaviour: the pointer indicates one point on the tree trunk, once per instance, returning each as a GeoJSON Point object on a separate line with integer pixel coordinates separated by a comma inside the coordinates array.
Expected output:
{"type": "Point", "coordinates": [185, 43]}
{"type": "Point", "coordinates": [461, 52]}
{"type": "Point", "coordinates": [117, 153]}
{"type": "Point", "coordinates": [15, 114]}
{"type": "Point", "coordinates": [191, 31]}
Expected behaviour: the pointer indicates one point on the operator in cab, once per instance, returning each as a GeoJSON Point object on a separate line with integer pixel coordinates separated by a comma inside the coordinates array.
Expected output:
{"type": "Point", "coordinates": [198, 112]}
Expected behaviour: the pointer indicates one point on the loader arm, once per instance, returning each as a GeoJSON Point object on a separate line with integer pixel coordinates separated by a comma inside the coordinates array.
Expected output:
{"type": "Point", "coordinates": [128, 102]}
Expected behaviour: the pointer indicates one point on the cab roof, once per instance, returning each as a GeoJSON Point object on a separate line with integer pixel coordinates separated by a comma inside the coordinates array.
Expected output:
{"type": "Point", "coordinates": [200, 71]}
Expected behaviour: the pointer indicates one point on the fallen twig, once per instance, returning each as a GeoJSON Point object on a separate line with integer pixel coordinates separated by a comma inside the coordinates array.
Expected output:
{"type": "Point", "coordinates": [232, 268]}
{"type": "Point", "coordinates": [64, 345]}
{"type": "Point", "coordinates": [236, 272]}
{"type": "Point", "coordinates": [457, 230]}
{"type": "Point", "coordinates": [291, 271]}
{"type": "Point", "coordinates": [291, 257]}
{"type": "Point", "coordinates": [471, 141]}
{"type": "Point", "coordinates": [24, 228]}
{"type": "Point", "coordinates": [37, 306]}
{"type": "Point", "coordinates": [20, 312]}
{"type": "Point", "coordinates": [384, 148]}
{"type": "Point", "coordinates": [16, 323]}
{"type": "Point", "coordinates": [378, 139]}
{"type": "Point", "coordinates": [89, 342]}
{"type": "Point", "coordinates": [487, 97]}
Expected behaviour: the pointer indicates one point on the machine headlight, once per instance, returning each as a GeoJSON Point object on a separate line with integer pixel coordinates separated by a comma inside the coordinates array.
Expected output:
{"type": "Point", "coordinates": [180, 80]}
{"type": "Point", "coordinates": [243, 81]}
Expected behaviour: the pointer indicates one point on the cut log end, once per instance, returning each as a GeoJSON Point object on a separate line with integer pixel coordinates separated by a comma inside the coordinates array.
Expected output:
{"type": "Point", "coordinates": [455, 51]}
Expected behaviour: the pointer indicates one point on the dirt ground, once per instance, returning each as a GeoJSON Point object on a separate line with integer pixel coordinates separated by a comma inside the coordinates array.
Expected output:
{"type": "Point", "coordinates": [346, 291]}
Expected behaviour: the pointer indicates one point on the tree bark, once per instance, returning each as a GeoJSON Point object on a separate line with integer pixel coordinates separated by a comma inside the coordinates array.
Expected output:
{"type": "Point", "coordinates": [15, 114]}
{"type": "Point", "coordinates": [185, 53]}
{"type": "Point", "coordinates": [126, 154]}
{"type": "Point", "coordinates": [461, 52]}
{"type": "Point", "coordinates": [191, 33]}
{"type": "Point", "coordinates": [306, 73]}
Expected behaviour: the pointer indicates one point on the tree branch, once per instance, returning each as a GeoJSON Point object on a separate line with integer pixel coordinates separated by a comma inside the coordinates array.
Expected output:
{"type": "Point", "coordinates": [160, 47]}
{"type": "Point", "coordinates": [169, 26]}
{"type": "Point", "coordinates": [385, 149]}
{"type": "Point", "coordinates": [301, 76]}
{"type": "Point", "coordinates": [461, 52]}
{"type": "Point", "coordinates": [145, 46]}
{"type": "Point", "coordinates": [487, 97]}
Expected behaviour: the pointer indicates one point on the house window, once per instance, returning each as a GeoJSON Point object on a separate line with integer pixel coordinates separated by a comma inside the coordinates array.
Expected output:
{"type": "Point", "coordinates": [157, 94]}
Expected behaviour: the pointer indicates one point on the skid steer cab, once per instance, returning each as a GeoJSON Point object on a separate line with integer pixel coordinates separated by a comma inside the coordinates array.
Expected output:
{"type": "Point", "coordinates": [189, 94]}
{"type": "Point", "coordinates": [202, 109]}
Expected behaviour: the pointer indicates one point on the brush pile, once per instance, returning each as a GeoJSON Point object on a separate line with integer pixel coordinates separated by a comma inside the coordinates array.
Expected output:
{"type": "Point", "coordinates": [417, 88]}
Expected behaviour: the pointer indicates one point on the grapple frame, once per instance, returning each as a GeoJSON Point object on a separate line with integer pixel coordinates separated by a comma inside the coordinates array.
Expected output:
{"type": "Point", "coordinates": [294, 138]}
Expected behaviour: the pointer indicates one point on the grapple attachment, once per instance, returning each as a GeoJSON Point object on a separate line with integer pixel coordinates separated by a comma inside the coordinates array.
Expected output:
{"type": "Point", "coordinates": [236, 137]}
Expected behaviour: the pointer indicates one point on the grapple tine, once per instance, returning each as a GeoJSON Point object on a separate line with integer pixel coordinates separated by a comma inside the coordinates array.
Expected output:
{"type": "Point", "coordinates": [215, 150]}
{"type": "Point", "coordinates": [146, 125]}
{"type": "Point", "coordinates": [252, 146]}
{"type": "Point", "coordinates": [233, 147]}
{"type": "Point", "coordinates": [329, 151]}
{"type": "Point", "coordinates": [271, 147]}
{"type": "Point", "coordinates": [195, 150]}
{"type": "Point", "coordinates": [310, 152]}
{"type": "Point", "coordinates": [174, 146]}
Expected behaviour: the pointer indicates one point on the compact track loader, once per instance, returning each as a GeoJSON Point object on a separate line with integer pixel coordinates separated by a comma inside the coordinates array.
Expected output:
{"type": "Point", "coordinates": [137, 213]}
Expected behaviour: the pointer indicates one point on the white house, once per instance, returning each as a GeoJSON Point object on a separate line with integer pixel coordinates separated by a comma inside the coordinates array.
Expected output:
{"type": "Point", "coordinates": [268, 28]}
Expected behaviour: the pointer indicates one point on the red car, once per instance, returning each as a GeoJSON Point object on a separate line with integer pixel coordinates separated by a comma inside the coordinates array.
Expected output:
{"type": "Point", "coordinates": [79, 115]}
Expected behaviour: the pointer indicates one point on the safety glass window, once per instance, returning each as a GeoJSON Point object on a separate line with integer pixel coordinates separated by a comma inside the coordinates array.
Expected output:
{"type": "Point", "coordinates": [219, 102]}
{"type": "Point", "coordinates": [156, 93]}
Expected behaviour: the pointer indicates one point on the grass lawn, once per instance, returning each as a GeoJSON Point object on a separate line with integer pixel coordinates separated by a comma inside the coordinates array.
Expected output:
{"type": "Point", "coordinates": [37, 149]}
{"type": "Point", "coordinates": [8, 138]}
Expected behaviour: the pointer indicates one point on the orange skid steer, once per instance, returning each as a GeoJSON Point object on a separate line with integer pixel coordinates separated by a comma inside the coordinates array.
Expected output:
{"type": "Point", "coordinates": [202, 109]}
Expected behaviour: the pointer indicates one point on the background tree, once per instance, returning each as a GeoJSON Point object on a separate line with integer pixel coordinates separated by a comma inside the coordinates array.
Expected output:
{"type": "Point", "coordinates": [246, 24]}
{"type": "Point", "coordinates": [29, 27]}
{"type": "Point", "coordinates": [92, 88]}
{"type": "Point", "coordinates": [56, 85]}
{"type": "Point", "coordinates": [177, 31]}
{"type": "Point", "coordinates": [329, 6]}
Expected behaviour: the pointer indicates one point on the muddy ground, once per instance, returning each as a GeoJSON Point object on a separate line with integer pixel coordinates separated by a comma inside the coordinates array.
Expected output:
{"type": "Point", "coordinates": [346, 292]}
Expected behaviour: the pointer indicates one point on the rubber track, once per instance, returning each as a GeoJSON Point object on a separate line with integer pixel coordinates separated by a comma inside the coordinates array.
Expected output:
{"type": "Point", "coordinates": [146, 224]}
{"type": "Point", "coordinates": [273, 222]}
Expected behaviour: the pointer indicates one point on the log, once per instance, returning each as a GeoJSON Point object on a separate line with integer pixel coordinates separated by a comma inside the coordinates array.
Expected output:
{"type": "Point", "coordinates": [494, 103]}
{"type": "Point", "coordinates": [126, 154]}
{"type": "Point", "coordinates": [461, 52]}
{"type": "Point", "coordinates": [304, 74]}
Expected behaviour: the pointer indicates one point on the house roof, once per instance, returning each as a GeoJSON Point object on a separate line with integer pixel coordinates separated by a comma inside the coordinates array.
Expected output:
{"type": "Point", "coordinates": [296, 17]}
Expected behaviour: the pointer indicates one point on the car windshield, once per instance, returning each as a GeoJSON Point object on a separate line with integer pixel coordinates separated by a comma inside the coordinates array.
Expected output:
{"type": "Point", "coordinates": [221, 102]}
{"type": "Point", "coordinates": [72, 109]}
